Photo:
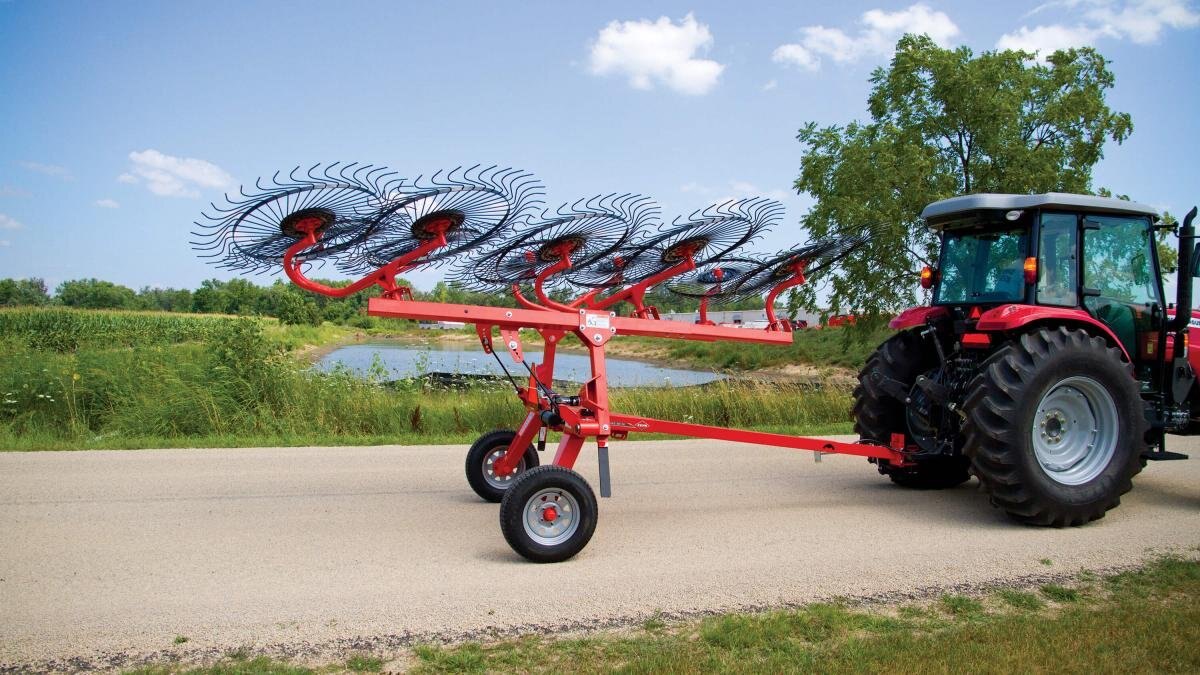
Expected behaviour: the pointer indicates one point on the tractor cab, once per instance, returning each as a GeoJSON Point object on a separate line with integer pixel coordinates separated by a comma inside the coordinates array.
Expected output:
{"type": "Point", "coordinates": [1079, 252]}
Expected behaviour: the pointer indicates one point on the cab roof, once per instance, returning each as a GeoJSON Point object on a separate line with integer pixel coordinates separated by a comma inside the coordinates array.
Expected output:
{"type": "Point", "coordinates": [947, 209]}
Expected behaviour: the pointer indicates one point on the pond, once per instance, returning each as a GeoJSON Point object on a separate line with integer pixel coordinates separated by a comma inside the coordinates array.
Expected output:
{"type": "Point", "coordinates": [401, 361]}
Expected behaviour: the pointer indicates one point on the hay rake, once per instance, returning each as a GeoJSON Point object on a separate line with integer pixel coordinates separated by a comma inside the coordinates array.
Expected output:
{"type": "Point", "coordinates": [612, 249]}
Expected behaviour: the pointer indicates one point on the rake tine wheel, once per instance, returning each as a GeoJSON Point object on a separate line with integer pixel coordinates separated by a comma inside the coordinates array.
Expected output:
{"type": "Point", "coordinates": [712, 280]}
{"type": "Point", "coordinates": [706, 236]}
{"type": "Point", "coordinates": [252, 230]}
{"type": "Point", "coordinates": [575, 237]}
{"type": "Point", "coordinates": [469, 206]}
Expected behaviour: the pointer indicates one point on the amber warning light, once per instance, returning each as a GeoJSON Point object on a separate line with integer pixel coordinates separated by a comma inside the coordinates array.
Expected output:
{"type": "Point", "coordinates": [1030, 270]}
{"type": "Point", "coordinates": [927, 277]}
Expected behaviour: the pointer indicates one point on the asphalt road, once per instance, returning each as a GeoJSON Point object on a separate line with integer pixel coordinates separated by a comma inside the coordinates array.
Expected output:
{"type": "Point", "coordinates": [106, 557]}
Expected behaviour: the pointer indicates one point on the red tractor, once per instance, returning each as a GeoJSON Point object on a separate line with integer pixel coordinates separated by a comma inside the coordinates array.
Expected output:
{"type": "Point", "coordinates": [1049, 364]}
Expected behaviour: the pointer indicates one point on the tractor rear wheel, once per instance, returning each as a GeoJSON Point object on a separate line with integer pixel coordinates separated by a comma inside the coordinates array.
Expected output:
{"type": "Point", "coordinates": [878, 414]}
{"type": "Point", "coordinates": [1055, 427]}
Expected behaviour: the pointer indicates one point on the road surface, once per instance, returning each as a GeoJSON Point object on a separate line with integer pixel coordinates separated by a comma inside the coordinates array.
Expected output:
{"type": "Point", "coordinates": [107, 556]}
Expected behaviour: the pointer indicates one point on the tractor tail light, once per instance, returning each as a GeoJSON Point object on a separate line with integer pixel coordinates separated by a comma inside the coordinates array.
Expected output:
{"type": "Point", "coordinates": [927, 277]}
{"type": "Point", "coordinates": [977, 340]}
{"type": "Point", "coordinates": [1031, 270]}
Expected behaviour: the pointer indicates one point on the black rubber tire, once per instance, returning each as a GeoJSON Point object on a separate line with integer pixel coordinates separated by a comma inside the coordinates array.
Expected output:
{"type": "Point", "coordinates": [528, 484]}
{"type": "Point", "coordinates": [1002, 403]}
{"type": "Point", "coordinates": [477, 456]}
{"type": "Point", "coordinates": [877, 415]}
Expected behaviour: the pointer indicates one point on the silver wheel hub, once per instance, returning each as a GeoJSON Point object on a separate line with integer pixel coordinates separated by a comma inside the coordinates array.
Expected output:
{"type": "Point", "coordinates": [551, 516]}
{"type": "Point", "coordinates": [1075, 430]}
{"type": "Point", "coordinates": [489, 471]}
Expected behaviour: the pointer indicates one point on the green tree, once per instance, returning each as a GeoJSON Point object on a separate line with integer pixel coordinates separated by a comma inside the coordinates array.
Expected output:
{"type": "Point", "coordinates": [14, 292]}
{"type": "Point", "coordinates": [295, 310]}
{"type": "Point", "coordinates": [165, 299]}
{"type": "Point", "coordinates": [946, 122]}
{"type": "Point", "coordinates": [95, 294]}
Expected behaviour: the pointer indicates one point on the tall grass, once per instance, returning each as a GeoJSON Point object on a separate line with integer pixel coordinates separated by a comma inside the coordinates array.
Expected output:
{"type": "Point", "coordinates": [238, 382]}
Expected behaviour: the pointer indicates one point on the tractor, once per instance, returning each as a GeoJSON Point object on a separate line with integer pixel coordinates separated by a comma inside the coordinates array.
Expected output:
{"type": "Point", "coordinates": [1048, 363]}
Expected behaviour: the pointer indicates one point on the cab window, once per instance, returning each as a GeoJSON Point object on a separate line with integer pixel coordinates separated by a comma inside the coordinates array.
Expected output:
{"type": "Point", "coordinates": [1118, 264]}
{"type": "Point", "coordinates": [1057, 252]}
{"type": "Point", "coordinates": [982, 267]}
{"type": "Point", "coordinates": [1118, 259]}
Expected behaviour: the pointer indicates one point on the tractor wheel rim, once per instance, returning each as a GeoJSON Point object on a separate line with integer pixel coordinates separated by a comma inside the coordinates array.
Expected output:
{"type": "Point", "coordinates": [1075, 430]}
{"type": "Point", "coordinates": [489, 471]}
{"type": "Point", "coordinates": [546, 530]}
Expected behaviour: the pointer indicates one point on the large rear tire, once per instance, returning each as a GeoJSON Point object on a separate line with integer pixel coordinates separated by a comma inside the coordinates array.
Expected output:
{"type": "Point", "coordinates": [1055, 427]}
{"type": "Point", "coordinates": [877, 414]}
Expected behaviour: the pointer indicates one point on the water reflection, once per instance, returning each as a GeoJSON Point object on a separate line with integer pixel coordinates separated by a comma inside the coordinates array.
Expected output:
{"type": "Point", "coordinates": [402, 361]}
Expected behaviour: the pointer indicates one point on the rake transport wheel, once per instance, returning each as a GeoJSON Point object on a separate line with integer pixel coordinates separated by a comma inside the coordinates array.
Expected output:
{"type": "Point", "coordinates": [877, 414]}
{"type": "Point", "coordinates": [1055, 427]}
{"type": "Point", "coordinates": [548, 514]}
{"type": "Point", "coordinates": [483, 454]}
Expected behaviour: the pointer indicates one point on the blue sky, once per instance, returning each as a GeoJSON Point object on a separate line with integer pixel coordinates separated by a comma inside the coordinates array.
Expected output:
{"type": "Point", "coordinates": [121, 120]}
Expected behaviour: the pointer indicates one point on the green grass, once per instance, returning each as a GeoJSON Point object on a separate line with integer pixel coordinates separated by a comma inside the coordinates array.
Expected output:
{"type": "Point", "coordinates": [1060, 593]}
{"type": "Point", "coordinates": [844, 348]}
{"type": "Point", "coordinates": [237, 386]}
{"type": "Point", "coordinates": [1146, 620]}
{"type": "Point", "coordinates": [362, 663]}
{"type": "Point", "coordinates": [961, 606]}
{"type": "Point", "coordinates": [1019, 599]}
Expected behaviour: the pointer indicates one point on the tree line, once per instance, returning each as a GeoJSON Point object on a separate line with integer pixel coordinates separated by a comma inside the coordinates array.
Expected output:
{"type": "Point", "coordinates": [281, 300]}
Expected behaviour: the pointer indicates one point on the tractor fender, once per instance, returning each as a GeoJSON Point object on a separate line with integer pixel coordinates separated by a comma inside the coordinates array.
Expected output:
{"type": "Point", "coordinates": [1193, 338]}
{"type": "Point", "coordinates": [916, 316]}
{"type": "Point", "coordinates": [1018, 317]}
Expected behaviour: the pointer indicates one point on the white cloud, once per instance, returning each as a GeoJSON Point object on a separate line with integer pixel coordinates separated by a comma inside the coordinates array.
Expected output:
{"type": "Point", "coordinates": [48, 169]}
{"type": "Point", "coordinates": [1140, 21]}
{"type": "Point", "coordinates": [9, 223]}
{"type": "Point", "coordinates": [169, 176]}
{"type": "Point", "coordinates": [108, 203]}
{"type": "Point", "coordinates": [657, 52]}
{"type": "Point", "coordinates": [733, 191]}
{"type": "Point", "coordinates": [1046, 40]}
{"type": "Point", "coordinates": [876, 36]}
{"type": "Point", "coordinates": [743, 189]}
{"type": "Point", "coordinates": [13, 191]}
{"type": "Point", "coordinates": [770, 85]}
{"type": "Point", "coordinates": [5, 243]}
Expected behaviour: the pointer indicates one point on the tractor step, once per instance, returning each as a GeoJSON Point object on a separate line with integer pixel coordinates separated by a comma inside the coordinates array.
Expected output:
{"type": "Point", "coordinates": [1163, 455]}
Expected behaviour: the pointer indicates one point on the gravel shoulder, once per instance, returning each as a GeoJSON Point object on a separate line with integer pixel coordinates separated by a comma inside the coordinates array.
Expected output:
{"type": "Point", "coordinates": [110, 555]}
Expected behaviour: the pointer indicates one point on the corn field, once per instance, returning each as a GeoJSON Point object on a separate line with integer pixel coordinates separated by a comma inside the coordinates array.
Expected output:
{"type": "Point", "coordinates": [66, 330]}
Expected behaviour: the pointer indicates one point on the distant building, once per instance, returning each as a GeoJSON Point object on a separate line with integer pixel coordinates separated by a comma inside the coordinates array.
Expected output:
{"type": "Point", "coordinates": [751, 318]}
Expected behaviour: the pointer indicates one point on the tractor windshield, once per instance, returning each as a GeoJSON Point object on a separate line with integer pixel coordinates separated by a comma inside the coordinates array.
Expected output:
{"type": "Point", "coordinates": [982, 267]}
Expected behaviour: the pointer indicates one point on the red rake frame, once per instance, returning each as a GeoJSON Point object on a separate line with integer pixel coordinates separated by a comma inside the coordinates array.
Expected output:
{"type": "Point", "coordinates": [587, 415]}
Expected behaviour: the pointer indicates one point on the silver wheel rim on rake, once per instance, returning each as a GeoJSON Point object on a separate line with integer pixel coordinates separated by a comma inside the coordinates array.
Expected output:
{"type": "Point", "coordinates": [1075, 430]}
{"type": "Point", "coordinates": [551, 531]}
{"type": "Point", "coordinates": [489, 472]}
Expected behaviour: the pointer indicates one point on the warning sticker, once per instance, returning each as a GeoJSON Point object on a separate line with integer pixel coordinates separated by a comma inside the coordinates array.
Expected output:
{"type": "Point", "coordinates": [596, 321]}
